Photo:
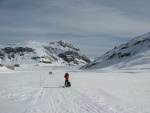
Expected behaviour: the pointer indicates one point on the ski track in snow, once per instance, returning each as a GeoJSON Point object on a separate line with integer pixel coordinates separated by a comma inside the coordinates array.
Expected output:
{"type": "Point", "coordinates": [65, 100]}
{"type": "Point", "coordinates": [38, 92]}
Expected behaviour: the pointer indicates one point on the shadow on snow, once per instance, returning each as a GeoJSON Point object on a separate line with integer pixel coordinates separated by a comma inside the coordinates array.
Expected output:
{"type": "Point", "coordinates": [55, 87]}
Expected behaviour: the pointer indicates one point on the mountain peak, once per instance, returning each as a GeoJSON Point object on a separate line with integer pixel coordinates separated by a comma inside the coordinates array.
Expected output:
{"type": "Point", "coordinates": [34, 52]}
{"type": "Point", "coordinates": [126, 53]}
{"type": "Point", "coordinates": [68, 44]}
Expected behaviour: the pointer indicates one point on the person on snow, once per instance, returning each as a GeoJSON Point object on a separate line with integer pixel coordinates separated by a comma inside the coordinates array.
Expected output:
{"type": "Point", "coordinates": [66, 79]}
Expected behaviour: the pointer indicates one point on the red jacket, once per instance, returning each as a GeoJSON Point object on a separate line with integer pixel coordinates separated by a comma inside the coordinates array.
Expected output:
{"type": "Point", "coordinates": [66, 76]}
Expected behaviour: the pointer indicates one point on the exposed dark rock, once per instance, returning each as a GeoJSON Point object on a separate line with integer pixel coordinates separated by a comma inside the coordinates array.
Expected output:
{"type": "Point", "coordinates": [21, 54]}
{"type": "Point", "coordinates": [9, 57]}
{"type": "Point", "coordinates": [52, 50]}
{"type": "Point", "coordinates": [112, 56]}
{"type": "Point", "coordinates": [46, 62]}
{"type": "Point", "coordinates": [66, 44]}
{"type": "Point", "coordinates": [9, 50]}
{"type": "Point", "coordinates": [53, 57]}
{"type": "Point", "coordinates": [124, 47]}
{"type": "Point", "coordinates": [95, 63]}
{"type": "Point", "coordinates": [121, 55]}
{"type": "Point", "coordinates": [1, 55]}
{"type": "Point", "coordinates": [16, 65]}
{"type": "Point", "coordinates": [145, 40]}
{"type": "Point", "coordinates": [71, 56]}
{"type": "Point", "coordinates": [35, 58]}
{"type": "Point", "coordinates": [12, 56]}
{"type": "Point", "coordinates": [138, 42]}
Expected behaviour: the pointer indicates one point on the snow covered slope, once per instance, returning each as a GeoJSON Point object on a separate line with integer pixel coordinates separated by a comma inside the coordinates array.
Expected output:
{"type": "Point", "coordinates": [133, 53]}
{"type": "Point", "coordinates": [33, 52]}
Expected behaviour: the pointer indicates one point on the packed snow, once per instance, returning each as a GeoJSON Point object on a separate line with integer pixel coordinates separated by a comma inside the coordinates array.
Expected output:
{"type": "Point", "coordinates": [31, 89]}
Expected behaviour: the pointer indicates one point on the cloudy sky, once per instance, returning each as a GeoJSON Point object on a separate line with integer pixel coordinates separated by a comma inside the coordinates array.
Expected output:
{"type": "Point", "coordinates": [95, 26]}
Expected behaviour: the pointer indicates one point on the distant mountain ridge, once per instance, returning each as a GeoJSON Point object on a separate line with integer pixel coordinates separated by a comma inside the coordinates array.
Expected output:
{"type": "Point", "coordinates": [33, 52]}
{"type": "Point", "coordinates": [135, 52]}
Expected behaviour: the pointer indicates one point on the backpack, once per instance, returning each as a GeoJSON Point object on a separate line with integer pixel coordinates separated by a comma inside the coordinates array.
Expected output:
{"type": "Point", "coordinates": [69, 84]}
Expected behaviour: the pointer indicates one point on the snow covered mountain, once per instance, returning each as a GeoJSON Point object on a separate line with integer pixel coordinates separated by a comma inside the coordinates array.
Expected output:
{"type": "Point", "coordinates": [136, 52]}
{"type": "Point", "coordinates": [33, 52]}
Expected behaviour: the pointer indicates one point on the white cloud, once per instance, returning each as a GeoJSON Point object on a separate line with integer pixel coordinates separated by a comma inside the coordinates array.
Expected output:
{"type": "Point", "coordinates": [40, 20]}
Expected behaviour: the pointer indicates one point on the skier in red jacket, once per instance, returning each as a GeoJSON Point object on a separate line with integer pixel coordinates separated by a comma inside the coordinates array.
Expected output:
{"type": "Point", "coordinates": [66, 79]}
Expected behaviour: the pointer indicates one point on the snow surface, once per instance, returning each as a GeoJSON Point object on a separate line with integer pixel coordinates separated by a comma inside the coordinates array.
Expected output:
{"type": "Point", "coordinates": [4, 70]}
{"type": "Point", "coordinates": [134, 52]}
{"type": "Point", "coordinates": [41, 53]}
{"type": "Point", "coordinates": [30, 89]}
